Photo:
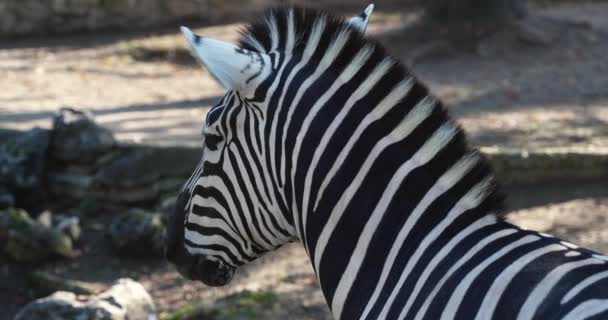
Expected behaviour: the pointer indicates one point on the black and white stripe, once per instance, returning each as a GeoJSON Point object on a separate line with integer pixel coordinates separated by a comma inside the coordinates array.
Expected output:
{"type": "Point", "coordinates": [341, 147]}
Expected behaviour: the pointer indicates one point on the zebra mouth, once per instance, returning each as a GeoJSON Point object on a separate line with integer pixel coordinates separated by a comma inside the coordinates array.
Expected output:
{"type": "Point", "coordinates": [211, 273]}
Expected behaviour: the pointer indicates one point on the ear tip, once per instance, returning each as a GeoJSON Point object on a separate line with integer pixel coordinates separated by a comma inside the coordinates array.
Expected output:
{"type": "Point", "coordinates": [369, 9]}
{"type": "Point", "coordinates": [186, 31]}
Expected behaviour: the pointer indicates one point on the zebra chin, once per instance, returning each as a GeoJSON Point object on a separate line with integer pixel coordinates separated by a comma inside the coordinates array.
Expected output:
{"type": "Point", "coordinates": [209, 272]}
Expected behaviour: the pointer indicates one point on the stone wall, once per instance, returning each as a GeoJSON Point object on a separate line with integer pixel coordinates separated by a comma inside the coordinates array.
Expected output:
{"type": "Point", "coordinates": [19, 17]}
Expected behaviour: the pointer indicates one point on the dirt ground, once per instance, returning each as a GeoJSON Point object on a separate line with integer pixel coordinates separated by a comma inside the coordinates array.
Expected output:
{"type": "Point", "coordinates": [523, 97]}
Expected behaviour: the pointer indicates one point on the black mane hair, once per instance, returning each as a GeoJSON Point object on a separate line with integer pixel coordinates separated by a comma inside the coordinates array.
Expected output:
{"type": "Point", "coordinates": [304, 20]}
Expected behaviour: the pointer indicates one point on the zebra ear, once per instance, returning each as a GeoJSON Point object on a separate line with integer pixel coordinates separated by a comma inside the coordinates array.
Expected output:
{"type": "Point", "coordinates": [233, 67]}
{"type": "Point", "coordinates": [361, 21]}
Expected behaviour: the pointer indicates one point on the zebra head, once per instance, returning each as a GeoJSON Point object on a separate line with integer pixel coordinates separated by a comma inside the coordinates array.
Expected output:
{"type": "Point", "coordinates": [236, 205]}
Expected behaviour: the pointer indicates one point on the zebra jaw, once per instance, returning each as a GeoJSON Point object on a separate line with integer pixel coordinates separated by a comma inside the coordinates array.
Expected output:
{"type": "Point", "coordinates": [235, 68]}
{"type": "Point", "coordinates": [209, 272]}
{"type": "Point", "coordinates": [191, 266]}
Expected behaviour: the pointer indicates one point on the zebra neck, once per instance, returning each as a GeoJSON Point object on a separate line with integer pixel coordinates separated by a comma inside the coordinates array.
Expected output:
{"type": "Point", "coordinates": [394, 175]}
{"type": "Point", "coordinates": [394, 213]}
{"type": "Point", "coordinates": [367, 280]}
{"type": "Point", "coordinates": [390, 179]}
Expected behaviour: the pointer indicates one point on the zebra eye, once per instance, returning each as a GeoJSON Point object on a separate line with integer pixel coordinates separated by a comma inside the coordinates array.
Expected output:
{"type": "Point", "coordinates": [212, 141]}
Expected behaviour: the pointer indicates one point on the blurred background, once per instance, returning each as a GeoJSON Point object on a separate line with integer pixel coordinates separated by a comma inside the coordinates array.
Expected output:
{"type": "Point", "coordinates": [101, 108]}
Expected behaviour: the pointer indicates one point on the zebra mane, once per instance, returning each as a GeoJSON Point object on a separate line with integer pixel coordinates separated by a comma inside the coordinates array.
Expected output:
{"type": "Point", "coordinates": [288, 29]}
{"type": "Point", "coordinates": [273, 31]}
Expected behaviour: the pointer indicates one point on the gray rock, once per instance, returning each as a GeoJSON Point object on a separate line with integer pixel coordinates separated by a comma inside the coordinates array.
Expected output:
{"type": "Point", "coordinates": [240, 305]}
{"type": "Point", "coordinates": [45, 219]}
{"type": "Point", "coordinates": [125, 300]}
{"type": "Point", "coordinates": [129, 196]}
{"type": "Point", "coordinates": [130, 178]}
{"type": "Point", "coordinates": [23, 159]}
{"type": "Point", "coordinates": [134, 168]}
{"type": "Point", "coordinates": [43, 284]}
{"type": "Point", "coordinates": [176, 162]}
{"type": "Point", "coordinates": [7, 134]}
{"type": "Point", "coordinates": [545, 165]}
{"type": "Point", "coordinates": [29, 14]}
{"type": "Point", "coordinates": [27, 240]}
{"type": "Point", "coordinates": [538, 31]}
{"type": "Point", "coordinates": [171, 185]}
{"type": "Point", "coordinates": [89, 207]}
{"type": "Point", "coordinates": [77, 138]}
{"type": "Point", "coordinates": [74, 186]}
{"type": "Point", "coordinates": [69, 226]}
{"type": "Point", "coordinates": [167, 205]}
{"type": "Point", "coordinates": [7, 199]}
{"type": "Point", "coordinates": [137, 233]}
{"type": "Point", "coordinates": [77, 169]}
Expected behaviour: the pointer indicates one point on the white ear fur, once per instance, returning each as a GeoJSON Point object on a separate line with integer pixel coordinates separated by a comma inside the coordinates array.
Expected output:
{"type": "Point", "coordinates": [233, 67]}
{"type": "Point", "coordinates": [361, 21]}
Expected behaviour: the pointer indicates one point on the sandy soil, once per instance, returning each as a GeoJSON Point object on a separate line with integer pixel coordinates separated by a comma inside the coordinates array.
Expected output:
{"type": "Point", "coordinates": [522, 96]}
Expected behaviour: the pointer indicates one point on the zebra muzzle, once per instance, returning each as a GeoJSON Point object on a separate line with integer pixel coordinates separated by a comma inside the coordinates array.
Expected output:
{"type": "Point", "coordinates": [211, 273]}
{"type": "Point", "coordinates": [193, 267]}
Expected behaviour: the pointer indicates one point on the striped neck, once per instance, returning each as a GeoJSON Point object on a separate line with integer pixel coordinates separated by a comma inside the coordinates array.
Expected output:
{"type": "Point", "coordinates": [366, 161]}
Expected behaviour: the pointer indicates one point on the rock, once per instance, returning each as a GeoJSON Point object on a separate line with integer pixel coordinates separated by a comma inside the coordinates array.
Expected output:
{"type": "Point", "coordinates": [44, 284]}
{"type": "Point", "coordinates": [137, 233]}
{"type": "Point", "coordinates": [26, 240]}
{"type": "Point", "coordinates": [69, 226]}
{"type": "Point", "coordinates": [35, 11]}
{"type": "Point", "coordinates": [167, 205]}
{"type": "Point", "coordinates": [176, 162]}
{"type": "Point", "coordinates": [77, 138]}
{"type": "Point", "coordinates": [7, 199]}
{"type": "Point", "coordinates": [543, 165]}
{"type": "Point", "coordinates": [125, 300]}
{"type": "Point", "coordinates": [171, 185]}
{"type": "Point", "coordinates": [7, 134]}
{"type": "Point", "coordinates": [77, 169]}
{"type": "Point", "coordinates": [89, 207]}
{"type": "Point", "coordinates": [241, 305]}
{"type": "Point", "coordinates": [132, 169]}
{"type": "Point", "coordinates": [538, 31]}
{"type": "Point", "coordinates": [23, 159]}
{"type": "Point", "coordinates": [244, 303]}
{"type": "Point", "coordinates": [169, 161]}
{"type": "Point", "coordinates": [129, 196]}
{"type": "Point", "coordinates": [130, 178]}
{"type": "Point", "coordinates": [74, 186]}
{"type": "Point", "coordinates": [45, 219]}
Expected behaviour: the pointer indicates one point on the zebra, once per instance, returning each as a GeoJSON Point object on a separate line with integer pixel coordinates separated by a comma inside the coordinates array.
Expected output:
{"type": "Point", "coordinates": [325, 138]}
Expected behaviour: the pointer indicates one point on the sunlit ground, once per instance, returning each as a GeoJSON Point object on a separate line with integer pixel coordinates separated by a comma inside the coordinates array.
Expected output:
{"type": "Point", "coordinates": [507, 99]}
